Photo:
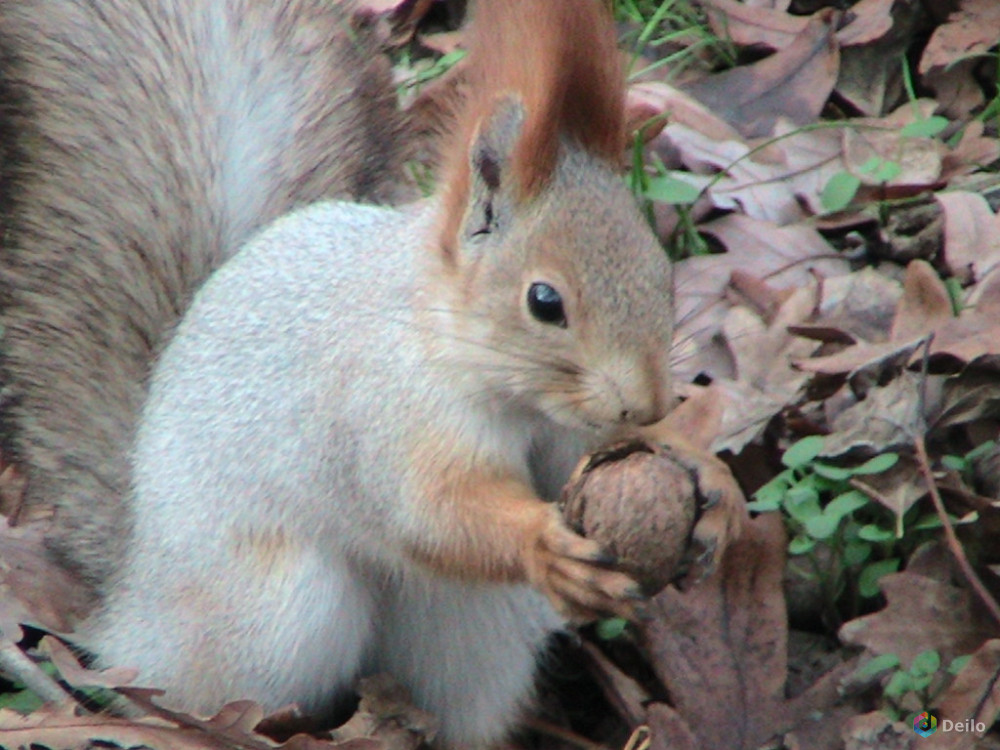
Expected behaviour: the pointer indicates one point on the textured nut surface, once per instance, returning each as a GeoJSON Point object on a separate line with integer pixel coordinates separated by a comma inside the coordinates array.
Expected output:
{"type": "Point", "coordinates": [640, 503]}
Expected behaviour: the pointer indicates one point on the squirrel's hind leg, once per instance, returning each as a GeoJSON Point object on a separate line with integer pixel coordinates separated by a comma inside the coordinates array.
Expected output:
{"type": "Point", "coordinates": [466, 652]}
{"type": "Point", "coordinates": [290, 627]}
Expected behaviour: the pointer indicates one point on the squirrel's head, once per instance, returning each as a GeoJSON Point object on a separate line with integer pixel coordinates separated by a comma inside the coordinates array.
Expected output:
{"type": "Point", "coordinates": [560, 300]}
{"type": "Point", "coordinates": [554, 288]}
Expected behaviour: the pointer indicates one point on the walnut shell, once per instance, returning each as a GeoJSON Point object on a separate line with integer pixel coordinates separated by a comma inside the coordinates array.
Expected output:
{"type": "Point", "coordinates": [640, 503]}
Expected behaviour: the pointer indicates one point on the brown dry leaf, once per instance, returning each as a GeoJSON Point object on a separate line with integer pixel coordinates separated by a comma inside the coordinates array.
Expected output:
{"type": "Point", "coordinates": [764, 380]}
{"type": "Point", "coordinates": [971, 234]}
{"type": "Point", "coordinates": [876, 731]}
{"type": "Point", "coordinates": [386, 714]}
{"type": "Point", "coordinates": [871, 73]}
{"type": "Point", "coordinates": [679, 107]}
{"type": "Point", "coordinates": [866, 22]}
{"type": "Point", "coordinates": [752, 25]}
{"type": "Point", "coordinates": [923, 309]}
{"type": "Point", "coordinates": [699, 417]}
{"type": "Point", "coordinates": [925, 305]}
{"type": "Point", "coordinates": [79, 676]}
{"type": "Point", "coordinates": [741, 182]}
{"type": "Point", "coordinates": [861, 305]}
{"type": "Point", "coordinates": [896, 489]}
{"type": "Point", "coordinates": [232, 728]}
{"type": "Point", "coordinates": [968, 397]}
{"type": "Point", "coordinates": [668, 729]}
{"type": "Point", "coordinates": [921, 614]}
{"type": "Point", "coordinates": [721, 651]}
{"type": "Point", "coordinates": [785, 257]}
{"type": "Point", "coordinates": [34, 587]}
{"type": "Point", "coordinates": [872, 361]}
{"type": "Point", "coordinates": [887, 419]}
{"type": "Point", "coordinates": [793, 83]}
{"type": "Point", "coordinates": [957, 89]}
{"type": "Point", "coordinates": [720, 648]}
{"type": "Point", "coordinates": [920, 159]}
{"type": "Point", "coordinates": [822, 732]}
{"type": "Point", "coordinates": [973, 152]}
{"type": "Point", "coordinates": [971, 30]}
{"type": "Point", "coordinates": [59, 727]}
{"type": "Point", "coordinates": [975, 693]}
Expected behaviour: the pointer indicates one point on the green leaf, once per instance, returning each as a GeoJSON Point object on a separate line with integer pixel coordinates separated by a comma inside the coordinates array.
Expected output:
{"type": "Point", "coordinates": [872, 533]}
{"type": "Point", "coordinates": [927, 128]}
{"type": "Point", "coordinates": [802, 503]}
{"type": "Point", "coordinates": [981, 450]}
{"type": "Point", "coordinates": [882, 170]}
{"type": "Point", "coordinates": [610, 628]}
{"type": "Point", "coordinates": [839, 191]}
{"type": "Point", "coordinates": [856, 552]}
{"type": "Point", "coordinates": [955, 463]}
{"type": "Point", "coordinates": [926, 662]}
{"type": "Point", "coordinates": [774, 491]}
{"type": "Point", "coordinates": [822, 526]}
{"type": "Point", "coordinates": [802, 452]}
{"type": "Point", "coordinates": [871, 165]}
{"type": "Point", "coordinates": [872, 574]}
{"type": "Point", "coordinates": [667, 189]}
{"type": "Point", "coordinates": [927, 522]}
{"type": "Point", "coordinates": [836, 473]}
{"type": "Point", "coordinates": [844, 503]}
{"type": "Point", "coordinates": [801, 545]}
{"type": "Point", "coordinates": [958, 664]}
{"type": "Point", "coordinates": [878, 464]}
{"type": "Point", "coordinates": [920, 681]}
{"type": "Point", "coordinates": [899, 685]}
{"type": "Point", "coordinates": [888, 171]}
{"type": "Point", "coordinates": [760, 506]}
{"type": "Point", "coordinates": [875, 465]}
{"type": "Point", "coordinates": [22, 701]}
{"type": "Point", "coordinates": [879, 664]}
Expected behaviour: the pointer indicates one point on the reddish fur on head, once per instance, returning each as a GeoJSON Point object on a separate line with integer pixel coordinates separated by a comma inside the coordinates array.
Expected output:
{"type": "Point", "coordinates": [560, 59]}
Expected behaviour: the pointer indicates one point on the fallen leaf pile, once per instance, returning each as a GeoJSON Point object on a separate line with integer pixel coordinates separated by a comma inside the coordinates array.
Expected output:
{"type": "Point", "coordinates": [838, 347]}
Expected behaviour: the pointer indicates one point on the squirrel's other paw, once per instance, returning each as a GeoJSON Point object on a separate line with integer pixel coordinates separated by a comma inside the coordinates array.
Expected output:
{"type": "Point", "coordinates": [577, 574]}
{"type": "Point", "coordinates": [722, 510]}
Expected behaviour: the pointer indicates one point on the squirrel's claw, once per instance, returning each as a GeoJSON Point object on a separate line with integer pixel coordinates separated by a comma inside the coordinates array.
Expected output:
{"type": "Point", "coordinates": [722, 510]}
{"type": "Point", "coordinates": [576, 575]}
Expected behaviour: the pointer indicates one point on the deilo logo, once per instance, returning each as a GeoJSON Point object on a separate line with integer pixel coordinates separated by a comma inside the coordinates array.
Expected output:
{"type": "Point", "coordinates": [925, 724]}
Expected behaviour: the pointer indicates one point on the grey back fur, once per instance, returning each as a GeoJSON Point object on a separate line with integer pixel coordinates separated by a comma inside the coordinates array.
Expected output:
{"type": "Point", "coordinates": [143, 142]}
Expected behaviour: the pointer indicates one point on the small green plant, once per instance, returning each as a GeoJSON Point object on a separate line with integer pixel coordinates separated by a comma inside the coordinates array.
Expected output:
{"type": "Point", "coordinates": [655, 184]}
{"type": "Point", "coordinates": [847, 540]}
{"type": "Point", "coordinates": [679, 24]}
{"type": "Point", "coordinates": [916, 686]}
{"type": "Point", "coordinates": [611, 628]}
{"type": "Point", "coordinates": [964, 464]}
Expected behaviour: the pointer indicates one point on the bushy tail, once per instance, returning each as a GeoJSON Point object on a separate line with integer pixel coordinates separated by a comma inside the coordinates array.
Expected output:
{"type": "Point", "coordinates": [143, 141]}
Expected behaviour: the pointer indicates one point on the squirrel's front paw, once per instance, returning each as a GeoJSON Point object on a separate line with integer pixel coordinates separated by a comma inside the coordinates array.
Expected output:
{"type": "Point", "coordinates": [577, 574]}
{"type": "Point", "coordinates": [722, 513]}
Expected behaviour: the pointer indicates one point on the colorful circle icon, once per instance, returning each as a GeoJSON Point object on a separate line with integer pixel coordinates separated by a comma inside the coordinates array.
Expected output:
{"type": "Point", "coordinates": [925, 724]}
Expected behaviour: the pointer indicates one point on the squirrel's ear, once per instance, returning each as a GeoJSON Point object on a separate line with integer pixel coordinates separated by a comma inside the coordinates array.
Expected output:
{"type": "Point", "coordinates": [490, 160]}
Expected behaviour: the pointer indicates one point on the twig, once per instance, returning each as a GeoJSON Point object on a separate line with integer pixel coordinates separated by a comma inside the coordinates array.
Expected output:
{"type": "Point", "coordinates": [641, 739]}
{"type": "Point", "coordinates": [552, 730]}
{"type": "Point", "coordinates": [954, 545]}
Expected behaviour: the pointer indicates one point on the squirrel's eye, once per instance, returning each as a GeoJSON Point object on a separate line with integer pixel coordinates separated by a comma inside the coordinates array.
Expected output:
{"type": "Point", "coordinates": [546, 304]}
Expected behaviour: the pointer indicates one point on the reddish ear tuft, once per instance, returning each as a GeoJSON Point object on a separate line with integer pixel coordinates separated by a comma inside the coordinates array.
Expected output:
{"type": "Point", "coordinates": [560, 60]}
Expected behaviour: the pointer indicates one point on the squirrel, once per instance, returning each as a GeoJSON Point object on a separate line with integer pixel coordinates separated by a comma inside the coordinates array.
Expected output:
{"type": "Point", "coordinates": [294, 436]}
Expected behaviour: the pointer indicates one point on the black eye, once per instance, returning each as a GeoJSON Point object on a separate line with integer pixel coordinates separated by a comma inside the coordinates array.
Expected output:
{"type": "Point", "coordinates": [546, 304]}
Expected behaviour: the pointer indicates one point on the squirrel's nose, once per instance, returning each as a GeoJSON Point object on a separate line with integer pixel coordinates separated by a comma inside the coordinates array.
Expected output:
{"type": "Point", "coordinates": [658, 407]}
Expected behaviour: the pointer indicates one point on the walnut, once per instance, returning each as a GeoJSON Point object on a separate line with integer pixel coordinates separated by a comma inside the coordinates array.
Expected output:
{"type": "Point", "coordinates": [638, 501]}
